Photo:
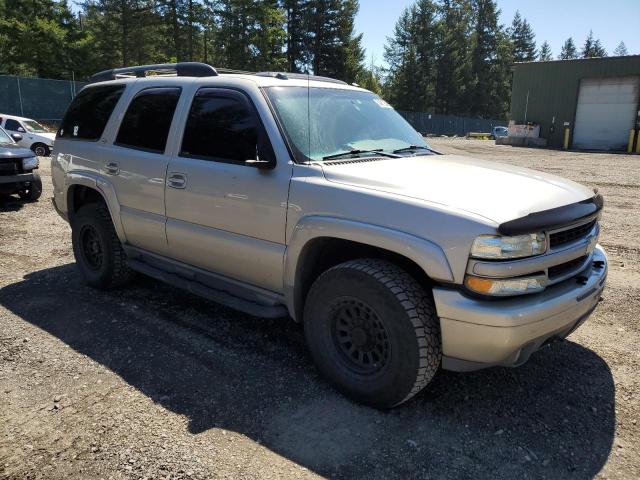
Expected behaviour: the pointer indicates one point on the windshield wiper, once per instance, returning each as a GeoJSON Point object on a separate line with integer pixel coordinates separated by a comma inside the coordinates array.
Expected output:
{"type": "Point", "coordinates": [413, 148]}
{"type": "Point", "coordinates": [378, 151]}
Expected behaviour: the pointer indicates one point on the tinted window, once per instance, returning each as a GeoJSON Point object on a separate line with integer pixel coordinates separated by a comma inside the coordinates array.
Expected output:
{"type": "Point", "coordinates": [13, 126]}
{"type": "Point", "coordinates": [148, 119]}
{"type": "Point", "coordinates": [221, 126]}
{"type": "Point", "coordinates": [89, 112]}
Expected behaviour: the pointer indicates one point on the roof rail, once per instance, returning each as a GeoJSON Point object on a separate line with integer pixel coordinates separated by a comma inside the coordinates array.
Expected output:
{"type": "Point", "coordinates": [182, 69]}
{"type": "Point", "coordinates": [299, 76]}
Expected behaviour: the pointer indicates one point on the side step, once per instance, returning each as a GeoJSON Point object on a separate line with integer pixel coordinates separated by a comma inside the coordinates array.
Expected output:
{"type": "Point", "coordinates": [218, 296]}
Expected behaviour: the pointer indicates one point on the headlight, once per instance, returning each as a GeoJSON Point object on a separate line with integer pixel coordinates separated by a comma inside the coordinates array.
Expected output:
{"type": "Point", "coordinates": [30, 163]}
{"type": "Point", "coordinates": [497, 247]}
{"type": "Point", "coordinates": [506, 286]}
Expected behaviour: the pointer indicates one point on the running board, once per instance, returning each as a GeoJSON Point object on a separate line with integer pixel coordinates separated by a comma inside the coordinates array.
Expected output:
{"type": "Point", "coordinates": [215, 295]}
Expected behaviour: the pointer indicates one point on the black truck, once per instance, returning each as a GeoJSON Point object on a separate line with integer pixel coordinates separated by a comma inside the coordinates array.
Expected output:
{"type": "Point", "coordinates": [17, 169]}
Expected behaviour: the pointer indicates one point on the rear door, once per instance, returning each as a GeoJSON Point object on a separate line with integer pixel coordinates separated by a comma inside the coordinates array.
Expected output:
{"type": "Point", "coordinates": [135, 160]}
{"type": "Point", "coordinates": [223, 214]}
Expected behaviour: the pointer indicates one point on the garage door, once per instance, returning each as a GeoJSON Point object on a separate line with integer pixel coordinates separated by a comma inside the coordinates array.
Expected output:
{"type": "Point", "coordinates": [607, 108]}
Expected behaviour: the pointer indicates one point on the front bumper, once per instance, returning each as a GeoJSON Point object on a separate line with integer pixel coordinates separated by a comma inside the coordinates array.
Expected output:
{"type": "Point", "coordinates": [20, 178]}
{"type": "Point", "coordinates": [479, 333]}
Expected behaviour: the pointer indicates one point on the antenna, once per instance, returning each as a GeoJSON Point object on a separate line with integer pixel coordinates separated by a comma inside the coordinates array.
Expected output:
{"type": "Point", "coordinates": [309, 112]}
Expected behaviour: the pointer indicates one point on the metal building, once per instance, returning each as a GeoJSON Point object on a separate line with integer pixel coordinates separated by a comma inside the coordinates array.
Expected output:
{"type": "Point", "coordinates": [598, 99]}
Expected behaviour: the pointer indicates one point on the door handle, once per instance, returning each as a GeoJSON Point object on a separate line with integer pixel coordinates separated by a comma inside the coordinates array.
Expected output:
{"type": "Point", "coordinates": [177, 180]}
{"type": "Point", "coordinates": [112, 168]}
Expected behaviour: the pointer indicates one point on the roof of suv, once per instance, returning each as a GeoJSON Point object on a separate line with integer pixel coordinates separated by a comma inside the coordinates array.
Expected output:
{"type": "Point", "coordinates": [14, 117]}
{"type": "Point", "coordinates": [200, 72]}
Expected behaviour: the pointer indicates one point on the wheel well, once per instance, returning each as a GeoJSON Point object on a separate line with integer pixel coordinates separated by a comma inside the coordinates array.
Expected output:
{"type": "Point", "coordinates": [323, 253]}
{"type": "Point", "coordinates": [80, 195]}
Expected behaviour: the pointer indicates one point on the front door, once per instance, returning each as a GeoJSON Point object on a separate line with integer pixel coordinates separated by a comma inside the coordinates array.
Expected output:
{"type": "Point", "coordinates": [224, 214]}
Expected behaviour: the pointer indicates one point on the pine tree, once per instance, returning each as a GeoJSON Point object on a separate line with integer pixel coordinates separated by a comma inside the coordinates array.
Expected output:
{"type": "Point", "coordinates": [621, 50]}
{"type": "Point", "coordinates": [569, 50]}
{"type": "Point", "coordinates": [523, 39]}
{"type": "Point", "coordinates": [592, 47]}
{"type": "Point", "coordinates": [489, 77]}
{"type": "Point", "coordinates": [545, 53]}
{"type": "Point", "coordinates": [296, 28]}
{"type": "Point", "coordinates": [453, 68]}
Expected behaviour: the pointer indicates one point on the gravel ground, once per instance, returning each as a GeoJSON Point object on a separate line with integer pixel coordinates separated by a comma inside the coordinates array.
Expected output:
{"type": "Point", "coordinates": [152, 382]}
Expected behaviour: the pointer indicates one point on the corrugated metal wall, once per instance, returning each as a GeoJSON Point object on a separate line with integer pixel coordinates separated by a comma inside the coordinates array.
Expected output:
{"type": "Point", "coordinates": [547, 91]}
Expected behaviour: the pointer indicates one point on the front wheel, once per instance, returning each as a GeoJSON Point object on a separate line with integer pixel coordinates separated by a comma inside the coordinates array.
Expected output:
{"type": "Point", "coordinates": [40, 149]}
{"type": "Point", "coordinates": [33, 191]}
{"type": "Point", "coordinates": [373, 331]}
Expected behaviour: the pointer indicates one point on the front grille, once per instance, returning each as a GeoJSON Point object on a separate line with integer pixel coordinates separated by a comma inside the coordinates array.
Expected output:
{"type": "Point", "coordinates": [565, 268]}
{"type": "Point", "coordinates": [567, 236]}
{"type": "Point", "coordinates": [11, 167]}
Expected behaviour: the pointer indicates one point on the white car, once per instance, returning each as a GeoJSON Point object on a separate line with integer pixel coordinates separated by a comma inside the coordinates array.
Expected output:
{"type": "Point", "coordinates": [34, 136]}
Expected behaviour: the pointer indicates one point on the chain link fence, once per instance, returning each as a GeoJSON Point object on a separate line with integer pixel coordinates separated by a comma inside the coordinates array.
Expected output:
{"type": "Point", "coordinates": [38, 98]}
{"type": "Point", "coordinates": [432, 124]}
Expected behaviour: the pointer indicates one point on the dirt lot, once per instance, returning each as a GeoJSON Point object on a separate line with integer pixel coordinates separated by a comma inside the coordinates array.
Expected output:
{"type": "Point", "coordinates": [151, 382]}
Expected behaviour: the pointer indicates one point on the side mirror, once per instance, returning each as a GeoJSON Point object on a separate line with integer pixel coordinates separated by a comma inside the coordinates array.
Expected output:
{"type": "Point", "coordinates": [16, 137]}
{"type": "Point", "coordinates": [261, 163]}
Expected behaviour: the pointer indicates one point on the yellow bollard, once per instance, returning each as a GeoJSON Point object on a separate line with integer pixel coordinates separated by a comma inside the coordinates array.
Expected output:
{"type": "Point", "coordinates": [638, 143]}
{"type": "Point", "coordinates": [632, 134]}
{"type": "Point", "coordinates": [565, 145]}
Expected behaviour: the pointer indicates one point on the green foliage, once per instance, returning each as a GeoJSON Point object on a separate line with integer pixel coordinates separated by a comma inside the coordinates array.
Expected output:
{"type": "Point", "coordinates": [621, 50]}
{"type": "Point", "coordinates": [593, 48]}
{"type": "Point", "coordinates": [44, 38]}
{"type": "Point", "coordinates": [545, 53]}
{"type": "Point", "coordinates": [523, 39]}
{"type": "Point", "coordinates": [569, 50]}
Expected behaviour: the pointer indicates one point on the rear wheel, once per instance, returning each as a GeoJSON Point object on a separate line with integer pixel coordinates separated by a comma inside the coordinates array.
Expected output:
{"type": "Point", "coordinates": [97, 249]}
{"type": "Point", "coordinates": [33, 191]}
{"type": "Point", "coordinates": [372, 331]}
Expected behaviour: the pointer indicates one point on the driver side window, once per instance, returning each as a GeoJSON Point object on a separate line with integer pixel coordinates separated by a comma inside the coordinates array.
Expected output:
{"type": "Point", "coordinates": [13, 126]}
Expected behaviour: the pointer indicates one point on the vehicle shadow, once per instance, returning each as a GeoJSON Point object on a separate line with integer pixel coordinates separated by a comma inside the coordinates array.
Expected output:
{"type": "Point", "coordinates": [9, 203]}
{"type": "Point", "coordinates": [554, 417]}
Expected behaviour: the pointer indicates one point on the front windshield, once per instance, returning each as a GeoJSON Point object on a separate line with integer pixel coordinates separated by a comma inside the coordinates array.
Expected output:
{"type": "Point", "coordinates": [4, 138]}
{"type": "Point", "coordinates": [34, 127]}
{"type": "Point", "coordinates": [338, 121]}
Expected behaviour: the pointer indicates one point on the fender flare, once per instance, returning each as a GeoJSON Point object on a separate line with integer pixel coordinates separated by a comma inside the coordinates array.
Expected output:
{"type": "Point", "coordinates": [104, 188]}
{"type": "Point", "coordinates": [426, 254]}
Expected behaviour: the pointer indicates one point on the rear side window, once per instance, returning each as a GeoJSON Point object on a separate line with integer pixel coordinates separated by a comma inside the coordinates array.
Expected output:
{"type": "Point", "coordinates": [221, 126]}
{"type": "Point", "coordinates": [147, 122]}
{"type": "Point", "coordinates": [13, 126]}
{"type": "Point", "coordinates": [89, 112]}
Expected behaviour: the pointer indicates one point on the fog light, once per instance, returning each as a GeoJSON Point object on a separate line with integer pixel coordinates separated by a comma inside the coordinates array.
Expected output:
{"type": "Point", "coordinates": [502, 287]}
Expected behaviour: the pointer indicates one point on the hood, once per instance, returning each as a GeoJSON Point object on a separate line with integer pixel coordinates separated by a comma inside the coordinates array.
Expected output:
{"type": "Point", "coordinates": [49, 136]}
{"type": "Point", "coordinates": [492, 190]}
{"type": "Point", "coordinates": [11, 152]}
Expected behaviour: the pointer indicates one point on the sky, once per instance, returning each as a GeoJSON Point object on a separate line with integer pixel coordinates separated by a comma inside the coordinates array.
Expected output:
{"type": "Point", "coordinates": [552, 20]}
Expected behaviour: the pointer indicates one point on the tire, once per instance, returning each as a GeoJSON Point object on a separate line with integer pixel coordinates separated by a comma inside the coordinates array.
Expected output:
{"type": "Point", "coordinates": [99, 254]}
{"type": "Point", "coordinates": [372, 309]}
{"type": "Point", "coordinates": [33, 191]}
{"type": "Point", "coordinates": [40, 149]}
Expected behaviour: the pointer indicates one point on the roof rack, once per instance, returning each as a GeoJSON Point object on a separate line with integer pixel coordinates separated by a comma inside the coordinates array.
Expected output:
{"type": "Point", "coordinates": [182, 69]}
{"type": "Point", "coordinates": [299, 76]}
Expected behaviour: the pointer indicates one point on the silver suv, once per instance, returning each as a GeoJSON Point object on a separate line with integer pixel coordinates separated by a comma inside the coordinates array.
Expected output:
{"type": "Point", "coordinates": [288, 195]}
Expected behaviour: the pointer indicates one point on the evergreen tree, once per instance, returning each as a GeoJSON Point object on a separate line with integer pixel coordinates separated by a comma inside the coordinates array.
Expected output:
{"type": "Point", "coordinates": [523, 39]}
{"type": "Point", "coordinates": [488, 73]}
{"type": "Point", "coordinates": [545, 53]}
{"type": "Point", "coordinates": [621, 50]}
{"type": "Point", "coordinates": [569, 50]}
{"type": "Point", "coordinates": [453, 68]}
{"type": "Point", "coordinates": [592, 47]}
{"type": "Point", "coordinates": [296, 28]}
